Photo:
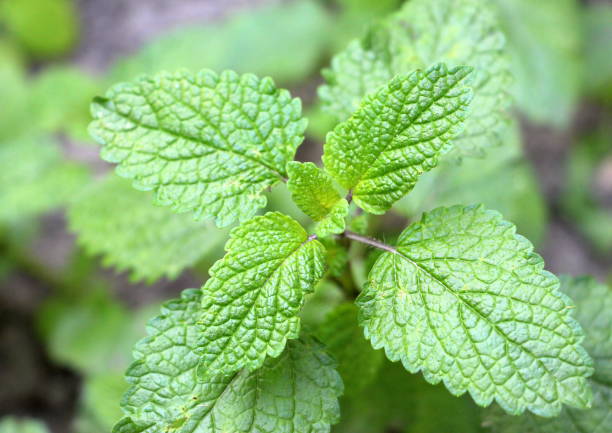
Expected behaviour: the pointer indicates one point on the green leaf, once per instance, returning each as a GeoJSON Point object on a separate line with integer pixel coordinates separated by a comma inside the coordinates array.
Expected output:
{"type": "Point", "coordinates": [283, 40]}
{"type": "Point", "coordinates": [597, 41]}
{"type": "Point", "coordinates": [148, 240]}
{"type": "Point", "coordinates": [83, 331]}
{"type": "Point", "coordinates": [353, 73]}
{"type": "Point", "coordinates": [16, 425]}
{"type": "Point", "coordinates": [60, 98]}
{"type": "Point", "coordinates": [313, 191]}
{"type": "Point", "coordinates": [397, 134]}
{"type": "Point", "coordinates": [358, 364]}
{"type": "Point", "coordinates": [465, 300]}
{"type": "Point", "coordinates": [44, 28]}
{"type": "Point", "coordinates": [14, 91]}
{"type": "Point", "coordinates": [100, 400]}
{"type": "Point", "coordinates": [588, 162]}
{"type": "Point", "coordinates": [422, 33]}
{"type": "Point", "coordinates": [252, 299]}
{"type": "Point", "coordinates": [34, 178]}
{"type": "Point", "coordinates": [593, 306]}
{"type": "Point", "coordinates": [203, 142]}
{"type": "Point", "coordinates": [544, 45]}
{"type": "Point", "coordinates": [294, 393]}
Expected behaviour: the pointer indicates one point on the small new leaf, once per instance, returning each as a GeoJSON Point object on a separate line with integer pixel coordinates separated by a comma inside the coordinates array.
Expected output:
{"type": "Point", "coordinates": [313, 192]}
{"type": "Point", "coordinates": [397, 134]}
{"type": "Point", "coordinates": [203, 142]}
{"type": "Point", "coordinates": [122, 224]}
{"type": "Point", "coordinates": [252, 299]}
{"type": "Point", "coordinates": [593, 306]}
{"type": "Point", "coordinates": [465, 300]}
{"type": "Point", "coordinates": [295, 393]}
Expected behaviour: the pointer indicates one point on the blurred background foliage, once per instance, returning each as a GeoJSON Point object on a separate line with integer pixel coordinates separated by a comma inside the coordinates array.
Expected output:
{"type": "Point", "coordinates": [68, 318]}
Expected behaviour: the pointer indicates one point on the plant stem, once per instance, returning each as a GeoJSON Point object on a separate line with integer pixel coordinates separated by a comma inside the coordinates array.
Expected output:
{"type": "Point", "coordinates": [369, 241]}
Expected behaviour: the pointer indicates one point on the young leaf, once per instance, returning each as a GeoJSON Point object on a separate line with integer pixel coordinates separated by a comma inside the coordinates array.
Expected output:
{"type": "Point", "coordinates": [313, 191]}
{"type": "Point", "coordinates": [203, 142]}
{"type": "Point", "coordinates": [593, 306]}
{"type": "Point", "coordinates": [252, 299]}
{"type": "Point", "coordinates": [358, 364]}
{"type": "Point", "coordinates": [465, 299]}
{"type": "Point", "coordinates": [294, 393]}
{"type": "Point", "coordinates": [424, 32]}
{"type": "Point", "coordinates": [396, 135]}
{"type": "Point", "coordinates": [123, 225]}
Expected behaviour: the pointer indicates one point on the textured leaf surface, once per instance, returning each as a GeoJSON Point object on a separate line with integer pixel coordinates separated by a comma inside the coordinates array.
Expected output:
{"type": "Point", "coordinates": [34, 178]}
{"type": "Point", "coordinates": [465, 300]}
{"type": "Point", "coordinates": [124, 226]}
{"type": "Point", "coordinates": [358, 364]}
{"type": "Point", "coordinates": [422, 33]}
{"type": "Point", "coordinates": [294, 393]}
{"type": "Point", "coordinates": [204, 142]}
{"type": "Point", "coordinates": [252, 299]}
{"type": "Point", "coordinates": [396, 135]}
{"type": "Point", "coordinates": [593, 307]}
{"type": "Point", "coordinates": [313, 191]}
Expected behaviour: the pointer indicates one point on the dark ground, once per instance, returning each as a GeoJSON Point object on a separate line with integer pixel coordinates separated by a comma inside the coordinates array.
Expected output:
{"type": "Point", "coordinates": [30, 383]}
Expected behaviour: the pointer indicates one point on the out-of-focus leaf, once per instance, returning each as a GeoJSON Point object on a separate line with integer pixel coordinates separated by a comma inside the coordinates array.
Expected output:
{"type": "Point", "coordinates": [399, 401]}
{"type": "Point", "coordinates": [503, 180]}
{"type": "Point", "coordinates": [100, 400]}
{"type": "Point", "coordinates": [90, 330]}
{"type": "Point", "coordinates": [544, 45]}
{"type": "Point", "coordinates": [45, 28]}
{"type": "Point", "coordinates": [590, 170]}
{"type": "Point", "coordinates": [14, 91]}
{"type": "Point", "coordinates": [34, 178]}
{"type": "Point", "coordinates": [319, 304]}
{"type": "Point", "coordinates": [59, 101]}
{"type": "Point", "coordinates": [21, 425]}
{"type": "Point", "coordinates": [597, 28]}
{"type": "Point", "coordinates": [131, 233]}
{"type": "Point", "coordinates": [354, 17]}
{"type": "Point", "coordinates": [284, 41]}
{"type": "Point", "coordinates": [81, 331]}
{"type": "Point", "coordinates": [358, 363]}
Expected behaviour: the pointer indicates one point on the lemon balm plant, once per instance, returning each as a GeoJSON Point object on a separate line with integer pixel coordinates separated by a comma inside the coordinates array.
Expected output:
{"type": "Point", "coordinates": [459, 297]}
